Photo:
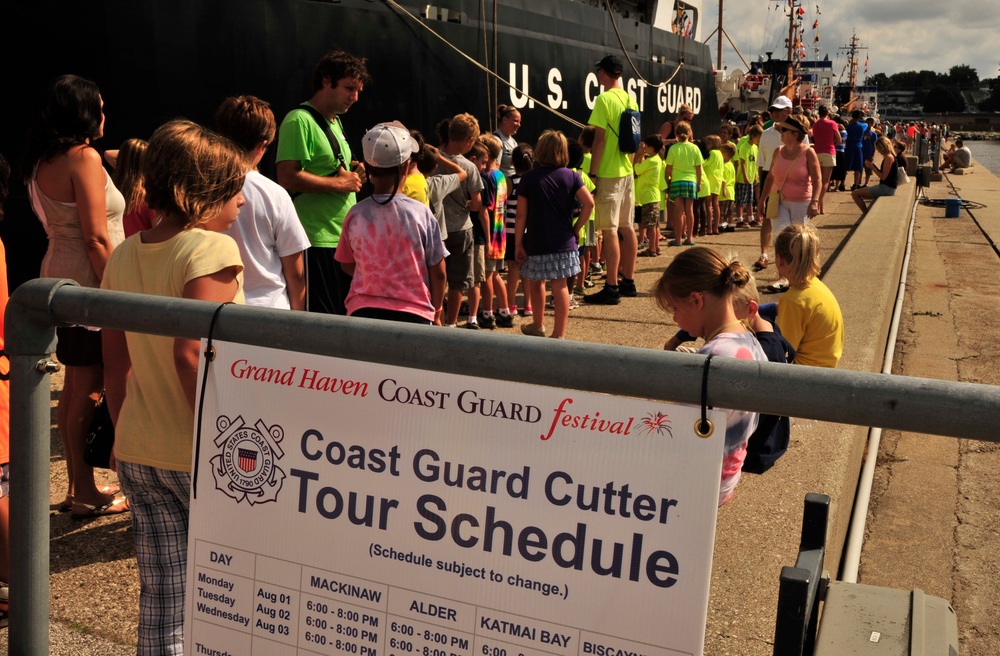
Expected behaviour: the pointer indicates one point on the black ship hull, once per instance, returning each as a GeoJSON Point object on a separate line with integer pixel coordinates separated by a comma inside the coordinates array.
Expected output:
{"type": "Point", "coordinates": [158, 60]}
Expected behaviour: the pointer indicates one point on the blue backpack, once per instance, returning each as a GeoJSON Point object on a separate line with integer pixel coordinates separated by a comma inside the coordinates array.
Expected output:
{"type": "Point", "coordinates": [629, 129]}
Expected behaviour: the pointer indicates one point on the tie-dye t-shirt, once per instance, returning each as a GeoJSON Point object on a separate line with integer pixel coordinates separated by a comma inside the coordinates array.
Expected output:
{"type": "Point", "coordinates": [496, 245]}
{"type": "Point", "coordinates": [392, 246]}
{"type": "Point", "coordinates": [740, 424]}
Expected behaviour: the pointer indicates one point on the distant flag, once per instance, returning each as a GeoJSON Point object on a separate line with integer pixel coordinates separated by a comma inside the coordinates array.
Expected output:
{"type": "Point", "coordinates": [816, 40]}
{"type": "Point", "coordinates": [816, 24]}
{"type": "Point", "coordinates": [817, 10]}
{"type": "Point", "coordinates": [801, 11]}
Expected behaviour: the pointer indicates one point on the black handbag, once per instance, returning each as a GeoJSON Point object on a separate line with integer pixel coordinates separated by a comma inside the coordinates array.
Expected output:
{"type": "Point", "coordinates": [100, 437]}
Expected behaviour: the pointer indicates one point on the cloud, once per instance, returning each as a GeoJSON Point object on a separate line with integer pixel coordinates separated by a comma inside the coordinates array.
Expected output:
{"type": "Point", "coordinates": [901, 35]}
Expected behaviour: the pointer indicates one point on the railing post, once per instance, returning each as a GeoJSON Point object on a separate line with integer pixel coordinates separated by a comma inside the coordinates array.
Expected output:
{"type": "Point", "coordinates": [29, 340]}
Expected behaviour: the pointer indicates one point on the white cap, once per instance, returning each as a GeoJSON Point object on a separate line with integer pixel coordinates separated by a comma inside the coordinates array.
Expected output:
{"type": "Point", "coordinates": [781, 102]}
{"type": "Point", "coordinates": [388, 145]}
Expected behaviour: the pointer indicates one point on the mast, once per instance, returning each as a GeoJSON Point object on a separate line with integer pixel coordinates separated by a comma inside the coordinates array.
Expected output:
{"type": "Point", "coordinates": [852, 60]}
{"type": "Point", "coordinates": [718, 66]}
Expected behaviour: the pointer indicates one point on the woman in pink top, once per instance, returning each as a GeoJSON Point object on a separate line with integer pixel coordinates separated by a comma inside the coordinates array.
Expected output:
{"type": "Point", "coordinates": [796, 172]}
{"type": "Point", "coordinates": [825, 139]}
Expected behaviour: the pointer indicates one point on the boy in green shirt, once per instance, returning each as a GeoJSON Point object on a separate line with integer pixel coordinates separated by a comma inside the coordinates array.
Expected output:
{"type": "Point", "coordinates": [649, 185]}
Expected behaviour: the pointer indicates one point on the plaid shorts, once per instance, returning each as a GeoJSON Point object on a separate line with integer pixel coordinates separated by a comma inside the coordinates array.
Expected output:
{"type": "Point", "coordinates": [159, 500]}
{"type": "Point", "coordinates": [744, 194]}
{"type": "Point", "coordinates": [683, 189]}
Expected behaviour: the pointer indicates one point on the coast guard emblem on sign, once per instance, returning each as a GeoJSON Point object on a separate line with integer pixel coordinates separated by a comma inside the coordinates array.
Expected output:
{"type": "Point", "coordinates": [246, 468]}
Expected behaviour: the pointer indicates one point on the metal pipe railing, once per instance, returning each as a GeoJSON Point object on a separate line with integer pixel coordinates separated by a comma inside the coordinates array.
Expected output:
{"type": "Point", "coordinates": [920, 405]}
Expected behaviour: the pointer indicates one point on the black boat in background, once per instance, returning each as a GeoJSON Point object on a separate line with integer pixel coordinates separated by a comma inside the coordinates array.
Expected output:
{"type": "Point", "coordinates": [157, 60]}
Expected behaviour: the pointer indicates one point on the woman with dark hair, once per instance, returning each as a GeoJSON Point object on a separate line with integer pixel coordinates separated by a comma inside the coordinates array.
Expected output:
{"type": "Point", "coordinates": [75, 199]}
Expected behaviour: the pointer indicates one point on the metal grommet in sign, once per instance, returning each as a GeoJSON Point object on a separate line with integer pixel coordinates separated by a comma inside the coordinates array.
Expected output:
{"type": "Point", "coordinates": [210, 354]}
{"type": "Point", "coordinates": [706, 424]}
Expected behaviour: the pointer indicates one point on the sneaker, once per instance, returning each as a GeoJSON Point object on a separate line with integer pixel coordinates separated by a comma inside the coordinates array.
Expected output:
{"type": "Point", "coordinates": [578, 290]}
{"type": "Point", "coordinates": [573, 303]}
{"type": "Point", "coordinates": [778, 286]}
{"type": "Point", "coordinates": [626, 287]}
{"type": "Point", "coordinates": [526, 312]}
{"type": "Point", "coordinates": [504, 320]}
{"type": "Point", "coordinates": [761, 263]}
{"type": "Point", "coordinates": [729, 228]}
{"type": "Point", "coordinates": [530, 330]}
{"type": "Point", "coordinates": [587, 284]}
{"type": "Point", "coordinates": [607, 296]}
{"type": "Point", "coordinates": [487, 322]}
{"type": "Point", "coordinates": [471, 325]}
{"type": "Point", "coordinates": [595, 267]}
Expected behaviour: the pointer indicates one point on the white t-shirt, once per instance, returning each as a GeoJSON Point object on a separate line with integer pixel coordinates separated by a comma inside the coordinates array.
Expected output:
{"type": "Point", "coordinates": [769, 142]}
{"type": "Point", "coordinates": [266, 230]}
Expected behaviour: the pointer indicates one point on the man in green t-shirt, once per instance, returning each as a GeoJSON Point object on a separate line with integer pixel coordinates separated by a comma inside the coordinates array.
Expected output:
{"type": "Point", "coordinates": [322, 180]}
{"type": "Point", "coordinates": [611, 171]}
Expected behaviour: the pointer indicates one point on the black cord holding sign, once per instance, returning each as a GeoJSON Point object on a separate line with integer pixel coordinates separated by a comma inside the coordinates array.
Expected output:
{"type": "Point", "coordinates": [704, 427]}
{"type": "Point", "coordinates": [209, 358]}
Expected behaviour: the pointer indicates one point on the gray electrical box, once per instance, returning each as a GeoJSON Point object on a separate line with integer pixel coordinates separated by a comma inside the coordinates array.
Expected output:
{"type": "Point", "coordinates": [863, 620]}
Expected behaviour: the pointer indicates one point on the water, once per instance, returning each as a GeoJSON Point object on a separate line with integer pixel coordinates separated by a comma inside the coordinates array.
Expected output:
{"type": "Point", "coordinates": [987, 153]}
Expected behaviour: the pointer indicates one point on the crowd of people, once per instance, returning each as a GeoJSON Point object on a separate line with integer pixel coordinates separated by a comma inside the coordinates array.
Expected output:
{"type": "Point", "coordinates": [481, 226]}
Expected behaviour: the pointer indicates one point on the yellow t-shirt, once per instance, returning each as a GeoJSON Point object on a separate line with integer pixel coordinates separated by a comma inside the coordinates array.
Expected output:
{"type": "Point", "coordinates": [649, 181]}
{"type": "Point", "coordinates": [685, 159]}
{"type": "Point", "coordinates": [607, 112]}
{"type": "Point", "coordinates": [713, 170]}
{"type": "Point", "coordinates": [156, 422]}
{"type": "Point", "coordinates": [415, 186]}
{"type": "Point", "coordinates": [729, 178]}
{"type": "Point", "coordinates": [811, 321]}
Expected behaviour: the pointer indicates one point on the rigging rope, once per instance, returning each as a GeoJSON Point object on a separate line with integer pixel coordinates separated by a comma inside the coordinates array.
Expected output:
{"type": "Point", "coordinates": [540, 103]}
{"type": "Point", "coordinates": [614, 24]}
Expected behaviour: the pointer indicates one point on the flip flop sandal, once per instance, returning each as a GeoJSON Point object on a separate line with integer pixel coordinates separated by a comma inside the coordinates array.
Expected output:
{"type": "Point", "coordinates": [116, 506]}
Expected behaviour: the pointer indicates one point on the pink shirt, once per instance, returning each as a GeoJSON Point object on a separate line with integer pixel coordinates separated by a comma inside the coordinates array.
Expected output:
{"type": "Point", "coordinates": [824, 136]}
{"type": "Point", "coordinates": [392, 246]}
{"type": "Point", "coordinates": [797, 187]}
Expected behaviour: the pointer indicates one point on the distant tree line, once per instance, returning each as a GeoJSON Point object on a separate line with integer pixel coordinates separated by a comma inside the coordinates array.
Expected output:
{"type": "Point", "coordinates": [940, 92]}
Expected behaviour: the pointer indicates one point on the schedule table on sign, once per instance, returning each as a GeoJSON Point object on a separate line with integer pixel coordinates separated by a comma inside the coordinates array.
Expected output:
{"type": "Point", "coordinates": [250, 604]}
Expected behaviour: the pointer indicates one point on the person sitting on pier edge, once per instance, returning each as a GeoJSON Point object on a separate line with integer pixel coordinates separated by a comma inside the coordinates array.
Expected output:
{"type": "Point", "coordinates": [960, 158]}
{"type": "Point", "coordinates": [886, 172]}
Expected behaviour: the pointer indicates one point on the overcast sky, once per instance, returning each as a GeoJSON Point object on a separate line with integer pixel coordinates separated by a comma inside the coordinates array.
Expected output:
{"type": "Point", "coordinates": [901, 35]}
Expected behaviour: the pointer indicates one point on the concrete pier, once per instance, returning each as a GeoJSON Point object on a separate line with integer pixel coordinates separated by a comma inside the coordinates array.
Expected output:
{"type": "Point", "coordinates": [948, 335]}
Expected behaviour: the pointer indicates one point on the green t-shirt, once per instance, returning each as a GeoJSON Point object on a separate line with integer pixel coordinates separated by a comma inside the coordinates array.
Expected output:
{"type": "Point", "coordinates": [729, 179]}
{"type": "Point", "coordinates": [685, 158]}
{"type": "Point", "coordinates": [746, 153]}
{"type": "Point", "coordinates": [607, 113]}
{"type": "Point", "coordinates": [301, 139]}
{"type": "Point", "coordinates": [713, 170]}
{"type": "Point", "coordinates": [649, 181]}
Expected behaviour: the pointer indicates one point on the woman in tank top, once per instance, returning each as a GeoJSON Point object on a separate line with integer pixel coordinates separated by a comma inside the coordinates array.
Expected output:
{"type": "Point", "coordinates": [795, 172]}
{"type": "Point", "coordinates": [81, 209]}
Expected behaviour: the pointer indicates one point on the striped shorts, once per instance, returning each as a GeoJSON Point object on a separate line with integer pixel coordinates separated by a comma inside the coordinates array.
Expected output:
{"type": "Point", "coordinates": [159, 500]}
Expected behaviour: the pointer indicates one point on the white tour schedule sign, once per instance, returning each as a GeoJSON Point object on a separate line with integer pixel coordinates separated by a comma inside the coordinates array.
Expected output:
{"type": "Point", "coordinates": [347, 508]}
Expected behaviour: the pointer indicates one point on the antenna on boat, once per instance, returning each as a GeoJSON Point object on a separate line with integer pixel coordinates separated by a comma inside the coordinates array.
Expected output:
{"type": "Point", "coordinates": [721, 31]}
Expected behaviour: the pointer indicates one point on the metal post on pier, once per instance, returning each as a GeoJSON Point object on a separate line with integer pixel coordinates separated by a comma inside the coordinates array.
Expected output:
{"type": "Point", "coordinates": [29, 341]}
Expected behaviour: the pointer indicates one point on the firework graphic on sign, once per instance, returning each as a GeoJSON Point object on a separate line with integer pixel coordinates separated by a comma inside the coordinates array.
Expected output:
{"type": "Point", "coordinates": [657, 422]}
